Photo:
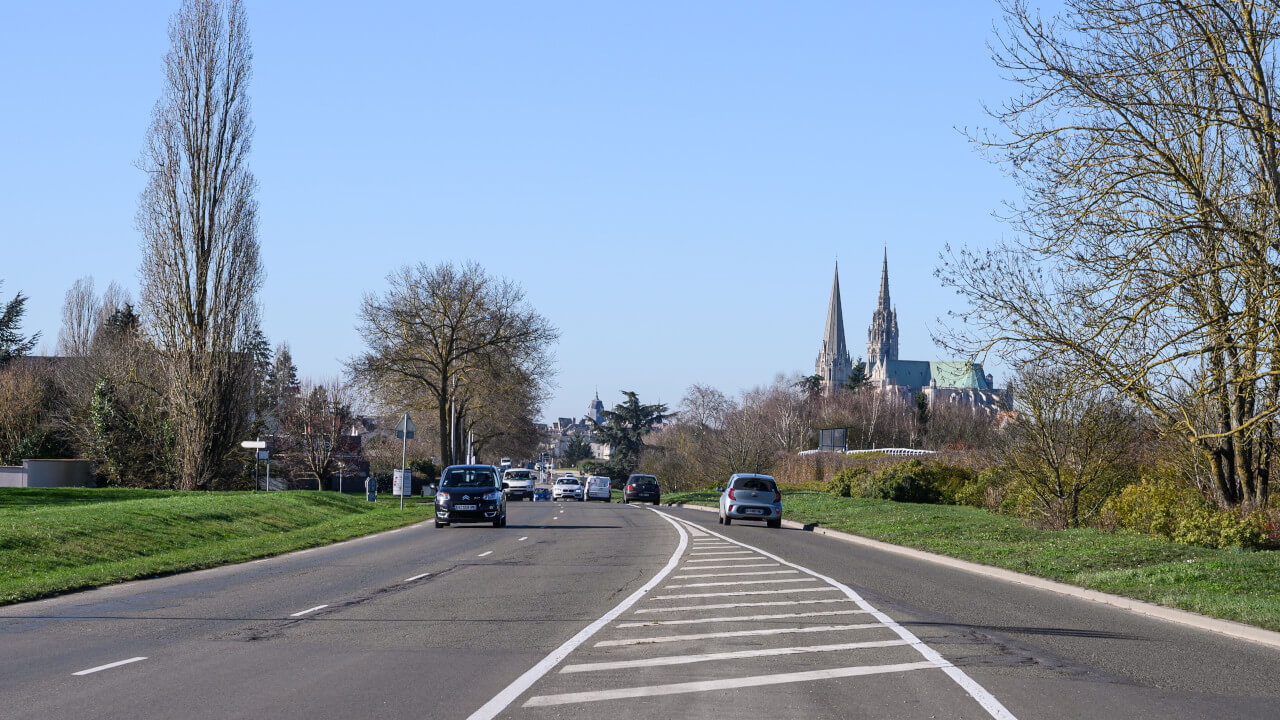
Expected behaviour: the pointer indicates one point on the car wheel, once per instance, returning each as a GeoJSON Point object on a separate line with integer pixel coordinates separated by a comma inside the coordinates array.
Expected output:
{"type": "Point", "coordinates": [441, 524]}
{"type": "Point", "coordinates": [719, 519]}
{"type": "Point", "coordinates": [625, 501]}
{"type": "Point", "coordinates": [656, 502]}
{"type": "Point", "coordinates": [728, 520]}
{"type": "Point", "coordinates": [775, 523]}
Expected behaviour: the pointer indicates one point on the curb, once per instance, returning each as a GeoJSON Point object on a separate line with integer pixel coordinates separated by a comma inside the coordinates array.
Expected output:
{"type": "Point", "coordinates": [1229, 628]}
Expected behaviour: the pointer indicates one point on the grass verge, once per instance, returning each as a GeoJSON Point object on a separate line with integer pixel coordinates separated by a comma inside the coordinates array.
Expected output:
{"type": "Point", "coordinates": [54, 541]}
{"type": "Point", "coordinates": [1231, 584]}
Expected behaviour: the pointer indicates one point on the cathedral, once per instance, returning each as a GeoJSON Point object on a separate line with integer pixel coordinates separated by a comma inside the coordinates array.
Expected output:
{"type": "Point", "coordinates": [958, 383]}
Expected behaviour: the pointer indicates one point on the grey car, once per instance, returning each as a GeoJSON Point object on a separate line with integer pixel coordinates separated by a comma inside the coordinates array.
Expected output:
{"type": "Point", "coordinates": [749, 496]}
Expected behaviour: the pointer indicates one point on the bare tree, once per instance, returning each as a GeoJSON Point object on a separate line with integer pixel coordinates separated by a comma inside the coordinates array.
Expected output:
{"type": "Point", "coordinates": [438, 333]}
{"type": "Point", "coordinates": [198, 217]}
{"type": "Point", "coordinates": [313, 424]}
{"type": "Point", "coordinates": [1145, 259]}
{"type": "Point", "coordinates": [83, 312]}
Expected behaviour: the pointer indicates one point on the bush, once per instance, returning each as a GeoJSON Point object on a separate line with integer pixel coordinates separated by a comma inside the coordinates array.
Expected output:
{"type": "Point", "coordinates": [1177, 512]}
{"type": "Point", "coordinates": [910, 481]}
{"type": "Point", "coordinates": [848, 482]}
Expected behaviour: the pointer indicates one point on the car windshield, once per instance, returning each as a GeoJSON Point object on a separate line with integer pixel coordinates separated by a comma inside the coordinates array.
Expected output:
{"type": "Point", "coordinates": [568, 481]}
{"type": "Point", "coordinates": [757, 484]}
{"type": "Point", "coordinates": [518, 475]}
{"type": "Point", "coordinates": [468, 477]}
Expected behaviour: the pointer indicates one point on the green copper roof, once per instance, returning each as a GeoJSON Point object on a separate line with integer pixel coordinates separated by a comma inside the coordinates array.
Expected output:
{"type": "Point", "coordinates": [951, 374]}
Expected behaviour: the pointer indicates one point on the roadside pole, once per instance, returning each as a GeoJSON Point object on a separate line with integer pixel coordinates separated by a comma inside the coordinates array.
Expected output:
{"type": "Point", "coordinates": [257, 446]}
{"type": "Point", "coordinates": [404, 430]}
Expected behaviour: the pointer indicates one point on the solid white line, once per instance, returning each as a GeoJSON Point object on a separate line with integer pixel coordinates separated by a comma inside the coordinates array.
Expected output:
{"type": "Point", "coordinates": [726, 684]}
{"type": "Point", "coordinates": [736, 633]}
{"type": "Point", "coordinates": [486, 552]}
{"type": "Point", "coordinates": [720, 552]}
{"type": "Point", "coordinates": [416, 577]}
{"type": "Point", "coordinates": [725, 606]}
{"type": "Point", "coordinates": [983, 697]}
{"type": "Point", "coordinates": [760, 572]}
{"type": "Point", "coordinates": [735, 593]}
{"type": "Point", "coordinates": [727, 559]}
{"type": "Point", "coordinates": [526, 537]}
{"type": "Point", "coordinates": [733, 618]}
{"type": "Point", "coordinates": [722, 567]}
{"type": "Point", "coordinates": [500, 701]}
{"type": "Point", "coordinates": [735, 655]}
{"type": "Point", "coordinates": [731, 583]}
{"type": "Point", "coordinates": [308, 610]}
{"type": "Point", "coordinates": [108, 666]}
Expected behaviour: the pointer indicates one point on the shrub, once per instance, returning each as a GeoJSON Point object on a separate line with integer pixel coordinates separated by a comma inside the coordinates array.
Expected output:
{"type": "Point", "coordinates": [910, 481]}
{"type": "Point", "coordinates": [1177, 512]}
{"type": "Point", "coordinates": [848, 482]}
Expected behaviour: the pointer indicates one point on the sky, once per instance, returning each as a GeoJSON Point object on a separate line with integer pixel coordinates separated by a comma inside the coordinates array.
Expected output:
{"type": "Point", "coordinates": [671, 182]}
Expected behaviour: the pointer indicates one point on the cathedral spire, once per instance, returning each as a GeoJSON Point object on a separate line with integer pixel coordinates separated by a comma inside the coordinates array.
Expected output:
{"type": "Point", "coordinates": [884, 281]}
{"type": "Point", "coordinates": [882, 336]}
{"type": "Point", "coordinates": [834, 364]}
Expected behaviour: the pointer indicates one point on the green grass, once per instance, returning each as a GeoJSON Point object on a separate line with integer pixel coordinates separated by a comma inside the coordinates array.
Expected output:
{"type": "Point", "coordinates": [1235, 585]}
{"type": "Point", "coordinates": [58, 540]}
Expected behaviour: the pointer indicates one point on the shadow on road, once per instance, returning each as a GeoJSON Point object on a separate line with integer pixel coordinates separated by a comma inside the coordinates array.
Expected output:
{"type": "Point", "coordinates": [1016, 630]}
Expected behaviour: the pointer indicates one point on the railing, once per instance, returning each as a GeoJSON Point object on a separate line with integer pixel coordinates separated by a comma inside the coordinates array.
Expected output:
{"type": "Point", "coordinates": [898, 452]}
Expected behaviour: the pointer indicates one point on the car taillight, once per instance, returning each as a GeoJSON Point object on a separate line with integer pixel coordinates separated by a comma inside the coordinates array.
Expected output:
{"type": "Point", "coordinates": [731, 495]}
{"type": "Point", "coordinates": [631, 487]}
{"type": "Point", "coordinates": [777, 496]}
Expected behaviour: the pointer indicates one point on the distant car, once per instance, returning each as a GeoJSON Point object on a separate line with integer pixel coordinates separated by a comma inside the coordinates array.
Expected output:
{"type": "Point", "coordinates": [566, 488]}
{"type": "Point", "coordinates": [470, 494]}
{"type": "Point", "coordinates": [751, 497]}
{"type": "Point", "coordinates": [598, 488]}
{"type": "Point", "coordinates": [518, 484]}
{"type": "Point", "coordinates": [541, 494]}
{"type": "Point", "coordinates": [642, 488]}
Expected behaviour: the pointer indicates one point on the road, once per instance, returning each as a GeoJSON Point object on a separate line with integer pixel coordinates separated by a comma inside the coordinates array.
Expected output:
{"type": "Point", "coordinates": [582, 610]}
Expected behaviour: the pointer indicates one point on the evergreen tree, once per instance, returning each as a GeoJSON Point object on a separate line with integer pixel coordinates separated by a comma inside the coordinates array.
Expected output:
{"type": "Point", "coordinates": [12, 343]}
{"type": "Point", "coordinates": [624, 429]}
{"type": "Point", "coordinates": [282, 381]}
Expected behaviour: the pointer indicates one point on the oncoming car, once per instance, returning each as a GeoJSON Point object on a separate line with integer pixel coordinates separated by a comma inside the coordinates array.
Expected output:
{"type": "Point", "coordinates": [541, 494]}
{"type": "Point", "coordinates": [566, 488]}
{"type": "Point", "coordinates": [470, 494]}
{"type": "Point", "coordinates": [751, 497]}
{"type": "Point", "coordinates": [518, 482]}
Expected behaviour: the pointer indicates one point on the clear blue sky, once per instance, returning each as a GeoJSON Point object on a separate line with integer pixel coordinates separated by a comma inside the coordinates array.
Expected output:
{"type": "Point", "coordinates": [670, 181]}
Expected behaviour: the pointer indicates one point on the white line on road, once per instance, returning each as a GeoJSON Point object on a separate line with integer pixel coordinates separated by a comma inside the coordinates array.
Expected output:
{"type": "Point", "coordinates": [735, 655]}
{"type": "Point", "coordinates": [735, 593]}
{"type": "Point", "coordinates": [720, 552]}
{"type": "Point", "coordinates": [735, 633]}
{"type": "Point", "coordinates": [722, 567]}
{"type": "Point", "coordinates": [108, 666]}
{"type": "Point", "coordinates": [308, 610]}
{"type": "Point", "coordinates": [726, 606]}
{"type": "Point", "coordinates": [526, 537]}
{"type": "Point", "coordinates": [728, 583]}
{"type": "Point", "coordinates": [486, 552]}
{"type": "Point", "coordinates": [416, 577]}
{"type": "Point", "coordinates": [759, 572]}
{"type": "Point", "coordinates": [725, 559]}
{"type": "Point", "coordinates": [727, 684]}
{"type": "Point", "coordinates": [980, 694]}
{"type": "Point", "coordinates": [508, 695]}
{"type": "Point", "coordinates": [733, 618]}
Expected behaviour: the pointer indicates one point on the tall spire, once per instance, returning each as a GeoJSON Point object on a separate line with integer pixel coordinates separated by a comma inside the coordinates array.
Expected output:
{"type": "Point", "coordinates": [884, 281]}
{"type": "Point", "coordinates": [882, 336]}
{"type": "Point", "coordinates": [833, 362]}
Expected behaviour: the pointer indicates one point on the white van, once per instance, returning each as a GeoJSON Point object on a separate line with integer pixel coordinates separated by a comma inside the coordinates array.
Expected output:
{"type": "Point", "coordinates": [598, 488]}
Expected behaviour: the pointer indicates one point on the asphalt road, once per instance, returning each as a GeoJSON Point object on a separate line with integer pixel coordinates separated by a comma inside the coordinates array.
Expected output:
{"type": "Point", "coordinates": [460, 622]}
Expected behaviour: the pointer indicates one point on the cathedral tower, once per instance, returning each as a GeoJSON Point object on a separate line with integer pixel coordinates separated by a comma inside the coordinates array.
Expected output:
{"type": "Point", "coordinates": [882, 336]}
{"type": "Point", "coordinates": [834, 364]}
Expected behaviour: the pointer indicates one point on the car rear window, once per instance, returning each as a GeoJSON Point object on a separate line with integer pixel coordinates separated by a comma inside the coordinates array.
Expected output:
{"type": "Point", "coordinates": [757, 484]}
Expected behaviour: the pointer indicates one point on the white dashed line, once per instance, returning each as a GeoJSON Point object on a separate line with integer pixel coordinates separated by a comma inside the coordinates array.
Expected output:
{"type": "Point", "coordinates": [758, 572]}
{"type": "Point", "coordinates": [308, 610]}
{"type": "Point", "coordinates": [526, 537]}
{"type": "Point", "coordinates": [108, 666]}
{"type": "Point", "coordinates": [486, 552]}
{"type": "Point", "coordinates": [416, 577]}
{"type": "Point", "coordinates": [730, 583]}
{"type": "Point", "coordinates": [726, 684]}
{"type": "Point", "coordinates": [726, 606]}
{"type": "Point", "coordinates": [782, 591]}
{"type": "Point", "coordinates": [737, 633]}
{"type": "Point", "coordinates": [735, 655]}
{"type": "Point", "coordinates": [732, 618]}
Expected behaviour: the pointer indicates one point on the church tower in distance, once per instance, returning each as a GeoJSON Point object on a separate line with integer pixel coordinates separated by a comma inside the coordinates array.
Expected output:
{"type": "Point", "coordinates": [834, 364]}
{"type": "Point", "coordinates": [882, 336]}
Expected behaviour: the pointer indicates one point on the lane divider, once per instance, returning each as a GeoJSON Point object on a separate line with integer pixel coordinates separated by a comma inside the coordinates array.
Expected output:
{"type": "Point", "coordinates": [309, 610]}
{"type": "Point", "coordinates": [108, 666]}
{"type": "Point", "coordinates": [416, 577]}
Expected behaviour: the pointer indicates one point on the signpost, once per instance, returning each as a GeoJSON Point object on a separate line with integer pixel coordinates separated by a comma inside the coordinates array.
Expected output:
{"type": "Point", "coordinates": [403, 479]}
{"type": "Point", "coordinates": [260, 453]}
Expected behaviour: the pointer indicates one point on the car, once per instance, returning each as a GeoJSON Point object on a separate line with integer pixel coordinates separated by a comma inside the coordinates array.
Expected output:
{"type": "Point", "coordinates": [541, 494]}
{"type": "Point", "coordinates": [470, 494]}
{"type": "Point", "coordinates": [598, 488]}
{"type": "Point", "coordinates": [518, 484]}
{"type": "Point", "coordinates": [750, 496]}
{"type": "Point", "coordinates": [642, 488]}
{"type": "Point", "coordinates": [566, 487]}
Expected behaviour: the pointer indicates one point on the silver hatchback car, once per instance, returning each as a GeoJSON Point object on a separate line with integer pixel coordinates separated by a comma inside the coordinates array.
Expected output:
{"type": "Point", "coordinates": [751, 497]}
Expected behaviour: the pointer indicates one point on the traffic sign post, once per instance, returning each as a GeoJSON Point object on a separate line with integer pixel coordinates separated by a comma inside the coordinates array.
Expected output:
{"type": "Point", "coordinates": [259, 448]}
{"type": "Point", "coordinates": [404, 430]}
{"type": "Point", "coordinates": [402, 484]}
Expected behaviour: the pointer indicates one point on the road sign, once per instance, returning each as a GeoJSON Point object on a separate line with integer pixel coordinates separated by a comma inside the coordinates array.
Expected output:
{"type": "Point", "coordinates": [264, 455]}
{"type": "Point", "coordinates": [253, 444]}
{"type": "Point", "coordinates": [405, 428]}
{"type": "Point", "coordinates": [402, 482]}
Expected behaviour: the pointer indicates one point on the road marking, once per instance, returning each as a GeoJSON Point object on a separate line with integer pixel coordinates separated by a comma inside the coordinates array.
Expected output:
{"type": "Point", "coordinates": [508, 695]}
{"type": "Point", "coordinates": [736, 633]}
{"type": "Point", "coordinates": [720, 552]}
{"type": "Point", "coordinates": [416, 577]}
{"type": "Point", "coordinates": [526, 537]}
{"type": "Point", "coordinates": [308, 610]}
{"type": "Point", "coordinates": [735, 593]}
{"type": "Point", "coordinates": [732, 618]}
{"type": "Point", "coordinates": [726, 684]}
{"type": "Point", "coordinates": [486, 552]}
{"type": "Point", "coordinates": [108, 666]}
{"type": "Point", "coordinates": [761, 572]}
{"type": "Point", "coordinates": [722, 567]}
{"type": "Point", "coordinates": [728, 583]}
{"type": "Point", "coordinates": [980, 694]}
{"type": "Point", "coordinates": [727, 559]}
{"type": "Point", "coordinates": [725, 606]}
{"type": "Point", "coordinates": [735, 655]}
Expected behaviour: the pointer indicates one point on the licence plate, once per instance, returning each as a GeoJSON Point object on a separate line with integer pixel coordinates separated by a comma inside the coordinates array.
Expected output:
{"type": "Point", "coordinates": [754, 511]}
{"type": "Point", "coordinates": [464, 507]}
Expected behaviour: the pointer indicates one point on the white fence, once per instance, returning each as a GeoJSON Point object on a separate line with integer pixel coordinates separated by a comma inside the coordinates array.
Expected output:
{"type": "Point", "coordinates": [899, 452]}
